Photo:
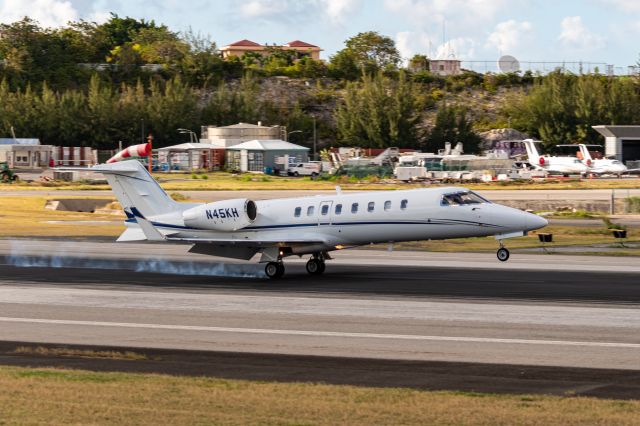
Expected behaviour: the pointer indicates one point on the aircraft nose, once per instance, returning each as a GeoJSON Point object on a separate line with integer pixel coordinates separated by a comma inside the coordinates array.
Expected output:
{"type": "Point", "coordinates": [533, 221]}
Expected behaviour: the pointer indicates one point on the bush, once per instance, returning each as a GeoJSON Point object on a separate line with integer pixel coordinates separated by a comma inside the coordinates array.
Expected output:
{"type": "Point", "coordinates": [633, 205]}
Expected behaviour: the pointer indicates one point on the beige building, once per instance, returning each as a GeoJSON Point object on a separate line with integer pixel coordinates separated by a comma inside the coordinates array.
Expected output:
{"type": "Point", "coordinates": [241, 47]}
{"type": "Point", "coordinates": [445, 67]}
{"type": "Point", "coordinates": [226, 136]}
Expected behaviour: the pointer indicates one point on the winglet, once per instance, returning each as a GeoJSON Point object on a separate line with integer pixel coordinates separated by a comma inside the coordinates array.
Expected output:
{"type": "Point", "coordinates": [149, 230]}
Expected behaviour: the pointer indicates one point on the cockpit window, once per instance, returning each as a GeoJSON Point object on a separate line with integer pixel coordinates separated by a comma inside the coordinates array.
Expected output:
{"type": "Point", "coordinates": [461, 198]}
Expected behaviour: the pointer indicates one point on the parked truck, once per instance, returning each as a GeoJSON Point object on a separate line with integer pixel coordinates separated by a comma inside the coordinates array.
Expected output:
{"type": "Point", "coordinates": [312, 168]}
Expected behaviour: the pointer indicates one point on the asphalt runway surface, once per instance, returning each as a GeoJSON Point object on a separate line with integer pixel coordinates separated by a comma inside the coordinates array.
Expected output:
{"type": "Point", "coordinates": [550, 324]}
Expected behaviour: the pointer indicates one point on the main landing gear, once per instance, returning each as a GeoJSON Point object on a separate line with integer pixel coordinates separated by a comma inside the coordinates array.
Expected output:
{"type": "Point", "coordinates": [315, 266]}
{"type": "Point", "coordinates": [274, 269]}
{"type": "Point", "coordinates": [503, 253]}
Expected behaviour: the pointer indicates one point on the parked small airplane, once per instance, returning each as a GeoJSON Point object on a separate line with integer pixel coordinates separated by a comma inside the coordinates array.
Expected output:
{"type": "Point", "coordinates": [599, 165]}
{"type": "Point", "coordinates": [315, 225]}
{"type": "Point", "coordinates": [553, 165]}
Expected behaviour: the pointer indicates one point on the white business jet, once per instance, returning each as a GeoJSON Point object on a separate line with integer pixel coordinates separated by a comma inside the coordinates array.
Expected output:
{"type": "Point", "coordinates": [315, 225]}
{"type": "Point", "coordinates": [599, 166]}
{"type": "Point", "coordinates": [553, 165]}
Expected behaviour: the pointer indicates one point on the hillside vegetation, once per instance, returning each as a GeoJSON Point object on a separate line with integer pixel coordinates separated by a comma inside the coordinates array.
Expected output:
{"type": "Point", "coordinates": [94, 85]}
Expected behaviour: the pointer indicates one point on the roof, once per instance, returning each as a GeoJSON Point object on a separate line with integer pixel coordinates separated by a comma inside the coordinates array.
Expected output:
{"type": "Point", "coordinates": [298, 43]}
{"type": "Point", "coordinates": [268, 145]}
{"type": "Point", "coordinates": [187, 146]}
{"type": "Point", "coordinates": [245, 42]}
{"type": "Point", "coordinates": [243, 126]}
{"type": "Point", "coordinates": [622, 131]}
{"type": "Point", "coordinates": [19, 141]}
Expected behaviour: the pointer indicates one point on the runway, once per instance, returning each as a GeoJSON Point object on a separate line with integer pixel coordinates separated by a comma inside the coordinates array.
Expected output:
{"type": "Point", "coordinates": [550, 313]}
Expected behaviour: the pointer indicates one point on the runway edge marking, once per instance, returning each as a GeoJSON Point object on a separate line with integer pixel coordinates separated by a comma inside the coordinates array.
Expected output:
{"type": "Point", "coordinates": [311, 333]}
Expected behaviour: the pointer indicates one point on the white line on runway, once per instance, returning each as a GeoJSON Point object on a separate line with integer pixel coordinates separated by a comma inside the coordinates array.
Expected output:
{"type": "Point", "coordinates": [312, 333]}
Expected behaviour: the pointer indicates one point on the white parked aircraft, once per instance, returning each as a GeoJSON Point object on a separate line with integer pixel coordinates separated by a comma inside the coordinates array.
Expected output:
{"type": "Point", "coordinates": [553, 165]}
{"type": "Point", "coordinates": [315, 225]}
{"type": "Point", "coordinates": [599, 166]}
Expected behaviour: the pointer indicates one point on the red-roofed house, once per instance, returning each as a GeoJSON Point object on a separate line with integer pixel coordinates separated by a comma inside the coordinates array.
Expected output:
{"type": "Point", "coordinates": [241, 47]}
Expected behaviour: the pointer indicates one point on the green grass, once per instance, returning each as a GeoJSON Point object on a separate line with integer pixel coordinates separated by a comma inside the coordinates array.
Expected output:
{"type": "Point", "coordinates": [57, 397]}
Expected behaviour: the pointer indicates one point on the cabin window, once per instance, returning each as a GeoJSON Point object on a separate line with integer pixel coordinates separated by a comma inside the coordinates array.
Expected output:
{"type": "Point", "coordinates": [338, 208]}
{"type": "Point", "coordinates": [387, 205]}
{"type": "Point", "coordinates": [325, 209]}
{"type": "Point", "coordinates": [297, 211]}
{"type": "Point", "coordinates": [371, 207]}
{"type": "Point", "coordinates": [403, 204]}
{"type": "Point", "coordinates": [354, 208]}
{"type": "Point", "coordinates": [462, 198]}
{"type": "Point", "coordinates": [310, 210]}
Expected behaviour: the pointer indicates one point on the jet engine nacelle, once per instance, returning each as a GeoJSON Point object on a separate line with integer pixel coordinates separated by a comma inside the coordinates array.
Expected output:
{"type": "Point", "coordinates": [228, 215]}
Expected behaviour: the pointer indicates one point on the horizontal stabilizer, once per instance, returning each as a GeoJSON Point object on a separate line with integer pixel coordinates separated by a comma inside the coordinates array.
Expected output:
{"type": "Point", "coordinates": [149, 230]}
{"type": "Point", "coordinates": [132, 234]}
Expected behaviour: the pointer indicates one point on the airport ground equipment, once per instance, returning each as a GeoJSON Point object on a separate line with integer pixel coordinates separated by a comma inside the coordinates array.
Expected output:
{"type": "Point", "coordinates": [6, 174]}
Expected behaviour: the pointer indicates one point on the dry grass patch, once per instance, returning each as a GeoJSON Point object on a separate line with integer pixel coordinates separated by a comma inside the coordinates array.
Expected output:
{"type": "Point", "coordinates": [80, 353]}
{"type": "Point", "coordinates": [27, 217]}
{"type": "Point", "coordinates": [51, 396]}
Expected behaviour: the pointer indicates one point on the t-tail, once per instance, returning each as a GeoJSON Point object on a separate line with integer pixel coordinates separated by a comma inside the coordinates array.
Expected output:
{"type": "Point", "coordinates": [139, 194]}
{"type": "Point", "coordinates": [532, 151]}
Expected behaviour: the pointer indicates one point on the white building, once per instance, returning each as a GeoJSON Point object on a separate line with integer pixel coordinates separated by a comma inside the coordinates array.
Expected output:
{"type": "Point", "coordinates": [621, 142]}
{"type": "Point", "coordinates": [226, 136]}
{"type": "Point", "coordinates": [24, 153]}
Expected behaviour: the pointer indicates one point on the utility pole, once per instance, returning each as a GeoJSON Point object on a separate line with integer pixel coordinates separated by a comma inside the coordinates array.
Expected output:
{"type": "Point", "coordinates": [314, 138]}
{"type": "Point", "coordinates": [150, 142]}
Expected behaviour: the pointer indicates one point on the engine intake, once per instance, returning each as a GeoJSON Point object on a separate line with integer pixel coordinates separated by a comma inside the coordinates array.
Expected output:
{"type": "Point", "coordinates": [228, 215]}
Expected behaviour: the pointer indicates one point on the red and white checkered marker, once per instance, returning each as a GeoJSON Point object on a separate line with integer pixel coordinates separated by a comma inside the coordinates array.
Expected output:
{"type": "Point", "coordinates": [142, 150]}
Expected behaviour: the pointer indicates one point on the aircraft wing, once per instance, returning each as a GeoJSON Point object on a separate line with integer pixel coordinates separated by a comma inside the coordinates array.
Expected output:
{"type": "Point", "coordinates": [247, 242]}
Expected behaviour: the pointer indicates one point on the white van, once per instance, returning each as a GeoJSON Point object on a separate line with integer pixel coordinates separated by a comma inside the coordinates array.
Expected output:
{"type": "Point", "coordinates": [312, 168]}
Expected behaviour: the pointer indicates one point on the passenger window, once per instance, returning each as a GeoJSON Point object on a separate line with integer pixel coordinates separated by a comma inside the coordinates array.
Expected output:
{"type": "Point", "coordinates": [387, 205]}
{"type": "Point", "coordinates": [297, 211]}
{"type": "Point", "coordinates": [403, 204]}
{"type": "Point", "coordinates": [354, 208]}
{"type": "Point", "coordinates": [371, 206]}
{"type": "Point", "coordinates": [338, 208]}
{"type": "Point", "coordinates": [325, 209]}
{"type": "Point", "coordinates": [310, 210]}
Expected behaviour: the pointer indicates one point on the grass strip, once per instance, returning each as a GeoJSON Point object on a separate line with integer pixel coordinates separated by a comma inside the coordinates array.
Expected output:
{"type": "Point", "coordinates": [56, 396]}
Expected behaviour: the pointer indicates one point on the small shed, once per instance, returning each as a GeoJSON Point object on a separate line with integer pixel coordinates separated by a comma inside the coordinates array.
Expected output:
{"type": "Point", "coordinates": [621, 142]}
{"type": "Point", "coordinates": [262, 155]}
{"type": "Point", "coordinates": [190, 156]}
{"type": "Point", "coordinates": [24, 153]}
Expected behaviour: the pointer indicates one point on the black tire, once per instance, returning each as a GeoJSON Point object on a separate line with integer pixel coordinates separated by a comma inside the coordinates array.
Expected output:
{"type": "Point", "coordinates": [315, 266]}
{"type": "Point", "coordinates": [503, 254]}
{"type": "Point", "coordinates": [274, 269]}
{"type": "Point", "coordinates": [296, 174]}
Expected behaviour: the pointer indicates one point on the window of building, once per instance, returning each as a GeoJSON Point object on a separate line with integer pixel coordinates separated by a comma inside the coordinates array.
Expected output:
{"type": "Point", "coordinates": [338, 208]}
{"type": "Point", "coordinates": [297, 211]}
{"type": "Point", "coordinates": [354, 208]}
{"type": "Point", "coordinates": [310, 210]}
{"type": "Point", "coordinates": [371, 206]}
{"type": "Point", "coordinates": [403, 204]}
{"type": "Point", "coordinates": [325, 209]}
{"type": "Point", "coordinates": [387, 205]}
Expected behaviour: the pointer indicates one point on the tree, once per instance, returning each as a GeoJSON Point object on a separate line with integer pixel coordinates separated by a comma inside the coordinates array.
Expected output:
{"type": "Point", "coordinates": [373, 51]}
{"type": "Point", "coordinates": [419, 63]}
{"type": "Point", "coordinates": [344, 66]}
{"type": "Point", "coordinates": [452, 126]}
{"type": "Point", "coordinates": [378, 113]}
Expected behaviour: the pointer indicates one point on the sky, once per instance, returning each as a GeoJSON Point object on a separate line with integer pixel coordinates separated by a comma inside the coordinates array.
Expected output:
{"type": "Point", "coordinates": [568, 31]}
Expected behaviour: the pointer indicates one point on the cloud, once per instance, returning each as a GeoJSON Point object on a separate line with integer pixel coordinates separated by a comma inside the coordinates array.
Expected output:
{"type": "Point", "coordinates": [336, 11]}
{"type": "Point", "coordinates": [49, 13]}
{"type": "Point", "coordinates": [574, 35]}
{"type": "Point", "coordinates": [463, 48]}
{"type": "Point", "coordinates": [508, 35]}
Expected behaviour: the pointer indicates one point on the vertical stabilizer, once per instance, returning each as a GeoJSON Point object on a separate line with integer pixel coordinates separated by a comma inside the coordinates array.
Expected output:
{"type": "Point", "coordinates": [135, 188]}
{"type": "Point", "coordinates": [532, 151]}
{"type": "Point", "coordinates": [586, 155]}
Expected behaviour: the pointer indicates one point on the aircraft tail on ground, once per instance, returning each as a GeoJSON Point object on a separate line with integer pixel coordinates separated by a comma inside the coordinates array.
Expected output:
{"type": "Point", "coordinates": [135, 188]}
{"type": "Point", "coordinates": [532, 151]}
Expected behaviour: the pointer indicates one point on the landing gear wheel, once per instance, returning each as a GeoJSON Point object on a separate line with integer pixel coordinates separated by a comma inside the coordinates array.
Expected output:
{"type": "Point", "coordinates": [503, 254]}
{"type": "Point", "coordinates": [274, 269]}
{"type": "Point", "coordinates": [315, 266]}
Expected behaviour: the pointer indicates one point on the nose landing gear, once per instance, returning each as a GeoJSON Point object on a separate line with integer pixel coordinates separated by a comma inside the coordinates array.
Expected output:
{"type": "Point", "coordinates": [503, 253]}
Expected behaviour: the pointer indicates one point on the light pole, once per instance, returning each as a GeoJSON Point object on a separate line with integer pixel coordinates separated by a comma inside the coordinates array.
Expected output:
{"type": "Point", "coordinates": [292, 132]}
{"type": "Point", "coordinates": [192, 135]}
